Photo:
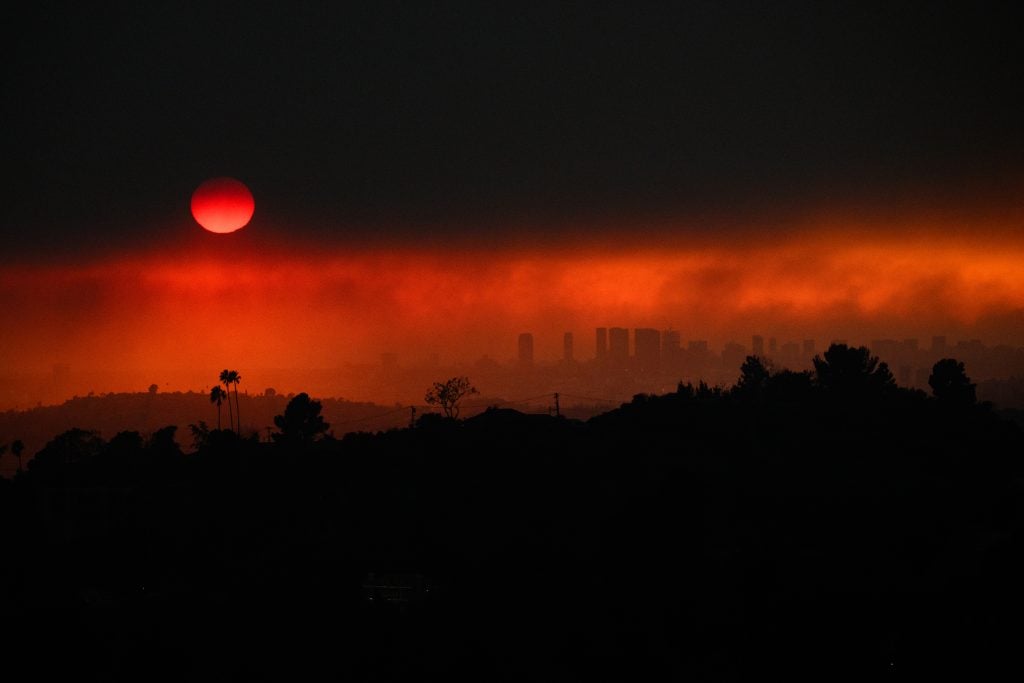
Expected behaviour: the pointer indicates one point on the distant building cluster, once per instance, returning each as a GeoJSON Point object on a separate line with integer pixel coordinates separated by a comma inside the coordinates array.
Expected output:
{"type": "Point", "coordinates": [651, 357]}
{"type": "Point", "coordinates": [624, 362]}
{"type": "Point", "coordinates": [646, 359]}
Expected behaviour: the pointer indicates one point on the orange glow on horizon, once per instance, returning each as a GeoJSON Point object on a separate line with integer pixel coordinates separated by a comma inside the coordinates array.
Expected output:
{"type": "Point", "coordinates": [305, 308]}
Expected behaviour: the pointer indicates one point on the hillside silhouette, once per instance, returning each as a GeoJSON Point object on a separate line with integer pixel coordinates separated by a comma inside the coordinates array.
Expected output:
{"type": "Point", "coordinates": [146, 412]}
{"type": "Point", "coordinates": [825, 524]}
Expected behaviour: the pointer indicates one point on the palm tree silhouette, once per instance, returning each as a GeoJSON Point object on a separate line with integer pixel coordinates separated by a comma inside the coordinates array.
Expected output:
{"type": "Point", "coordinates": [217, 396]}
{"type": "Point", "coordinates": [225, 378]}
{"type": "Point", "coordinates": [235, 379]}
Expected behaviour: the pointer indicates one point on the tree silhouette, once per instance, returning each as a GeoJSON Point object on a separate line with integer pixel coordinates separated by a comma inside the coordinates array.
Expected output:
{"type": "Point", "coordinates": [200, 435]}
{"type": "Point", "coordinates": [447, 394]}
{"type": "Point", "coordinates": [162, 441]}
{"type": "Point", "coordinates": [235, 378]}
{"type": "Point", "coordinates": [16, 448]}
{"type": "Point", "coordinates": [789, 386]}
{"type": "Point", "coordinates": [74, 445]}
{"type": "Point", "coordinates": [848, 370]}
{"type": "Point", "coordinates": [217, 396]}
{"type": "Point", "coordinates": [950, 383]}
{"type": "Point", "coordinates": [754, 375]}
{"type": "Point", "coordinates": [225, 379]}
{"type": "Point", "coordinates": [153, 388]}
{"type": "Point", "coordinates": [706, 392]}
{"type": "Point", "coordinates": [301, 421]}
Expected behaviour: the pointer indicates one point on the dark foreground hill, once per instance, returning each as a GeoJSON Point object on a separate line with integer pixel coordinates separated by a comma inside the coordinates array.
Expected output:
{"type": "Point", "coordinates": [109, 414]}
{"type": "Point", "coordinates": [693, 536]}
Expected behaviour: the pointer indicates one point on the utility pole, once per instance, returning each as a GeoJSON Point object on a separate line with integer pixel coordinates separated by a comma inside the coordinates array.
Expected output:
{"type": "Point", "coordinates": [412, 416]}
{"type": "Point", "coordinates": [558, 412]}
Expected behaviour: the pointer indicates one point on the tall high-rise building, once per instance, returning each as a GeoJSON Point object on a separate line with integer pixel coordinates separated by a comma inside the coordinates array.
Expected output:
{"type": "Point", "coordinates": [567, 347]}
{"type": "Point", "coordinates": [757, 345]}
{"type": "Point", "coordinates": [602, 343]}
{"type": "Point", "coordinates": [808, 347]}
{"type": "Point", "coordinates": [526, 348]}
{"type": "Point", "coordinates": [886, 349]}
{"type": "Point", "coordinates": [939, 344]}
{"type": "Point", "coordinates": [733, 355]}
{"type": "Point", "coordinates": [670, 343]}
{"type": "Point", "coordinates": [773, 346]}
{"type": "Point", "coordinates": [970, 346]}
{"type": "Point", "coordinates": [618, 345]}
{"type": "Point", "coordinates": [671, 349]}
{"type": "Point", "coordinates": [647, 348]}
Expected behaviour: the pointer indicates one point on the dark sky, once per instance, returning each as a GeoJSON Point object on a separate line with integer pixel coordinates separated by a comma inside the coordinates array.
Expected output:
{"type": "Point", "coordinates": [434, 118]}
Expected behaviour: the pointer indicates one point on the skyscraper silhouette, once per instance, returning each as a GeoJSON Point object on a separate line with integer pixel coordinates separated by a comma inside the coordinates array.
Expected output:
{"type": "Point", "coordinates": [670, 342]}
{"type": "Point", "coordinates": [618, 346]}
{"type": "Point", "coordinates": [647, 348]}
{"type": "Point", "coordinates": [757, 345]}
{"type": "Point", "coordinates": [526, 348]}
{"type": "Point", "coordinates": [602, 344]}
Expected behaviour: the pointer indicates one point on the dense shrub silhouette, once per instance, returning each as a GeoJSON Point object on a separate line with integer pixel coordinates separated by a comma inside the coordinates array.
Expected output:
{"type": "Point", "coordinates": [950, 383]}
{"type": "Point", "coordinates": [301, 422]}
{"type": "Point", "coordinates": [789, 386]}
{"type": "Point", "coordinates": [754, 375]}
{"type": "Point", "coordinates": [848, 371]}
{"type": "Point", "coordinates": [72, 446]}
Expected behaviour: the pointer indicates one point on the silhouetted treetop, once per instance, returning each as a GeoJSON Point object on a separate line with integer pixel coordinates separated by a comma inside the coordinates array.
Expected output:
{"type": "Point", "coordinates": [301, 421]}
{"type": "Point", "coordinates": [162, 440]}
{"type": "Point", "coordinates": [950, 383]}
{"type": "Point", "coordinates": [229, 378]}
{"type": "Point", "coordinates": [217, 396]}
{"type": "Point", "coordinates": [789, 386]}
{"type": "Point", "coordinates": [449, 393]}
{"type": "Point", "coordinates": [754, 375]}
{"type": "Point", "coordinates": [226, 377]}
{"type": "Point", "coordinates": [849, 370]}
{"type": "Point", "coordinates": [126, 441]}
{"type": "Point", "coordinates": [74, 445]}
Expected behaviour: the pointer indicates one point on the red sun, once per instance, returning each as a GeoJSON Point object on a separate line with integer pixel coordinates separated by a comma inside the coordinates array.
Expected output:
{"type": "Point", "coordinates": [222, 205]}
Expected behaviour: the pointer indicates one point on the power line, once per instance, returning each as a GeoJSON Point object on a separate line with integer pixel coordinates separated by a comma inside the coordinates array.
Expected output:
{"type": "Point", "coordinates": [372, 417]}
{"type": "Point", "coordinates": [504, 402]}
{"type": "Point", "coordinates": [592, 398]}
{"type": "Point", "coordinates": [472, 406]}
{"type": "Point", "coordinates": [527, 400]}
